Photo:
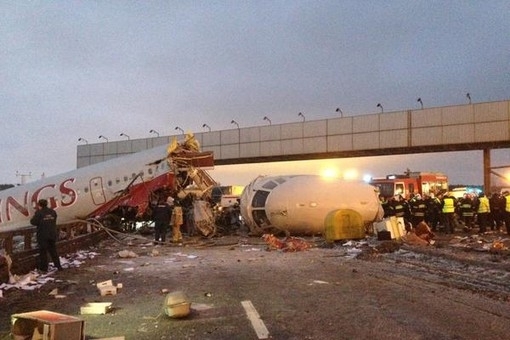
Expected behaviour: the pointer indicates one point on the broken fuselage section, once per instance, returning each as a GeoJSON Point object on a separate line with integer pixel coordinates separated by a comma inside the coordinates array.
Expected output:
{"type": "Point", "coordinates": [120, 188]}
{"type": "Point", "coordinates": [306, 204]}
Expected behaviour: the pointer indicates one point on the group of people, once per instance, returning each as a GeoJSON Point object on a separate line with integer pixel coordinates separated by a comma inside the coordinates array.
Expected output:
{"type": "Point", "coordinates": [45, 220]}
{"type": "Point", "coordinates": [164, 215]}
{"type": "Point", "coordinates": [444, 210]}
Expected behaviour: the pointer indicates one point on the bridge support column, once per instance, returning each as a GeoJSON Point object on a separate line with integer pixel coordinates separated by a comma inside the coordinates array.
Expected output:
{"type": "Point", "coordinates": [487, 170]}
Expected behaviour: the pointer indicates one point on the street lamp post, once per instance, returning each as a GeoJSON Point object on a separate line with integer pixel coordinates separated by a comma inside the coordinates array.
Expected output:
{"type": "Point", "coordinates": [206, 126]}
{"type": "Point", "coordinates": [234, 122]}
{"type": "Point", "coordinates": [300, 114]}
{"type": "Point", "coordinates": [124, 135]}
{"type": "Point", "coordinates": [380, 106]}
{"type": "Point", "coordinates": [103, 137]}
{"type": "Point", "coordinates": [83, 140]}
{"type": "Point", "coordinates": [421, 103]}
{"type": "Point", "coordinates": [341, 113]}
{"type": "Point", "coordinates": [269, 120]}
{"type": "Point", "coordinates": [155, 132]}
{"type": "Point", "coordinates": [468, 97]}
{"type": "Point", "coordinates": [178, 128]}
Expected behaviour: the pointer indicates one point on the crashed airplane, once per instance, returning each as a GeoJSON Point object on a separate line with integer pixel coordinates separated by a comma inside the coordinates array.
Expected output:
{"type": "Point", "coordinates": [309, 205]}
{"type": "Point", "coordinates": [119, 185]}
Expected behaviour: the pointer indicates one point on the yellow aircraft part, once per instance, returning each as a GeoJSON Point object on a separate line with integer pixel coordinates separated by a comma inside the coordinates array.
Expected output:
{"type": "Point", "coordinates": [343, 224]}
{"type": "Point", "coordinates": [190, 143]}
{"type": "Point", "coordinates": [172, 146]}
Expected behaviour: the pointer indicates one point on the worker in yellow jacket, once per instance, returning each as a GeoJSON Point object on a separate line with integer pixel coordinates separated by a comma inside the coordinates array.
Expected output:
{"type": "Point", "coordinates": [448, 204]}
{"type": "Point", "coordinates": [483, 212]}
{"type": "Point", "coordinates": [506, 195]}
{"type": "Point", "coordinates": [177, 220]}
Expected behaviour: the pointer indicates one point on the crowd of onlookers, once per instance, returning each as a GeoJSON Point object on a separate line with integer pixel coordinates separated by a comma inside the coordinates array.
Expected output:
{"type": "Point", "coordinates": [443, 212]}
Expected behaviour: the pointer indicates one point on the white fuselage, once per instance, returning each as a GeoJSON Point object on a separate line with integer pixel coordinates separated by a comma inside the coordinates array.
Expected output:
{"type": "Point", "coordinates": [299, 204]}
{"type": "Point", "coordinates": [78, 193]}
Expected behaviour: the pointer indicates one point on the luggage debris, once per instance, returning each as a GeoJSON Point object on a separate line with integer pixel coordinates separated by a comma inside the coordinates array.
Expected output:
{"type": "Point", "coordinates": [177, 305]}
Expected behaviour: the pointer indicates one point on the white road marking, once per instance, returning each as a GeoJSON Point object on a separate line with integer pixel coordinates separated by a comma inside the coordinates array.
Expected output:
{"type": "Point", "coordinates": [256, 322]}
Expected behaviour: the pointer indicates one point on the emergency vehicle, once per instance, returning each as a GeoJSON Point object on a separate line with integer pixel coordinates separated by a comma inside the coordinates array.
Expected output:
{"type": "Point", "coordinates": [411, 183]}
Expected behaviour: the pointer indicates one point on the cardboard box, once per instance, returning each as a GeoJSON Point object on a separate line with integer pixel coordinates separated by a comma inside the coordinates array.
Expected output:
{"type": "Point", "coordinates": [46, 325]}
{"type": "Point", "coordinates": [393, 225]}
{"type": "Point", "coordinates": [104, 284]}
{"type": "Point", "coordinates": [108, 290]}
{"type": "Point", "coordinates": [96, 308]}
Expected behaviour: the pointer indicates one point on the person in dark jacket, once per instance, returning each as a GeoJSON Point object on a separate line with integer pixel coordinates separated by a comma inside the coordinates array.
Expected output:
{"type": "Point", "coordinates": [161, 214]}
{"type": "Point", "coordinates": [432, 217]}
{"type": "Point", "coordinates": [418, 210]}
{"type": "Point", "coordinates": [466, 207]}
{"type": "Point", "coordinates": [497, 205]}
{"type": "Point", "coordinates": [45, 219]}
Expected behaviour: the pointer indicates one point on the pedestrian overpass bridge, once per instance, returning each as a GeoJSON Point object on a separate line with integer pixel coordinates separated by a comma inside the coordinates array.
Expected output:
{"type": "Point", "coordinates": [479, 126]}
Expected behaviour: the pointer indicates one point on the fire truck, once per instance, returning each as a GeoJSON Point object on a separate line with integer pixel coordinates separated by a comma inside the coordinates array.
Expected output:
{"type": "Point", "coordinates": [411, 182]}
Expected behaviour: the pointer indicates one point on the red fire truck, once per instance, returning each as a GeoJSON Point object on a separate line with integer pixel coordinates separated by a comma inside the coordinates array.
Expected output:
{"type": "Point", "coordinates": [411, 183]}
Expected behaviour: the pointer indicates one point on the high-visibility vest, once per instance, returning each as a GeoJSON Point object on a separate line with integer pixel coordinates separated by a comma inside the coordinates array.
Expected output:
{"type": "Point", "coordinates": [449, 206]}
{"type": "Point", "coordinates": [507, 207]}
{"type": "Point", "coordinates": [484, 206]}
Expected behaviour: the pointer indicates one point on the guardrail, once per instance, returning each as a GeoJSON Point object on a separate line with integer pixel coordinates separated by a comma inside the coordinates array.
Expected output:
{"type": "Point", "coordinates": [21, 246]}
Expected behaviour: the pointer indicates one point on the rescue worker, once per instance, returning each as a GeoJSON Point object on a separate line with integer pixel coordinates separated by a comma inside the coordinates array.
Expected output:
{"type": "Point", "coordinates": [385, 204]}
{"type": "Point", "coordinates": [448, 213]}
{"type": "Point", "coordinates": [161, 214]}
{"type": "Point", "coordinates": [433, 211]}
{"type": "Point", "coordinates": [188, 225]}
{"type": "Point", "coordinates": [497, 215]}
{"type": "Point", "coordinates": [467, 211]}
{"type": "Point", "coordinates": [506, 195]}
{"type": "Point", "coordinates": [483, 211]}
{"type": "Point", "coordinates": [45, 219]}
{"type": "Point", "coordinates": [418, 210]}
{"type": "Point", "coordinates": [177, 221]}
{"type": "Point", "coordinates": [400, 208]}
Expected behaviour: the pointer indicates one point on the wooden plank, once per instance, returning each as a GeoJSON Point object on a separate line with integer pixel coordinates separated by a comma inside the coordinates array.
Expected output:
{"type": "Point", "coordinates": [256, 322]}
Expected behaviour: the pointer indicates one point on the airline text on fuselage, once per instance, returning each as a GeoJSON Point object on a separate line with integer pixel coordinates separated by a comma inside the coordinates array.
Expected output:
{"type": "Point", "coordinates": [26, 200]}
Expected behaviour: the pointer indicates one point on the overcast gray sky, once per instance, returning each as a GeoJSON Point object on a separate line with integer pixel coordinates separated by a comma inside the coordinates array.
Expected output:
{"type": "Point", "coordinates": [73, 69]}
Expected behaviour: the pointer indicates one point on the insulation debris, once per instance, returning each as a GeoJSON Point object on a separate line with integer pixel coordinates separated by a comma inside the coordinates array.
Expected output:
{"type": "Point", "coordinates": [288, 244]}
{"type": "Point", "coordinates": [35, 279]}
{"type": "Point", "coordinates": [491, 243]}
{"type": "Point", "coordinates": [422, 235]}
{"type": "Point", "coordinates": [127, 254]}
{"type": "Point", "coordinates": [498, 246]}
